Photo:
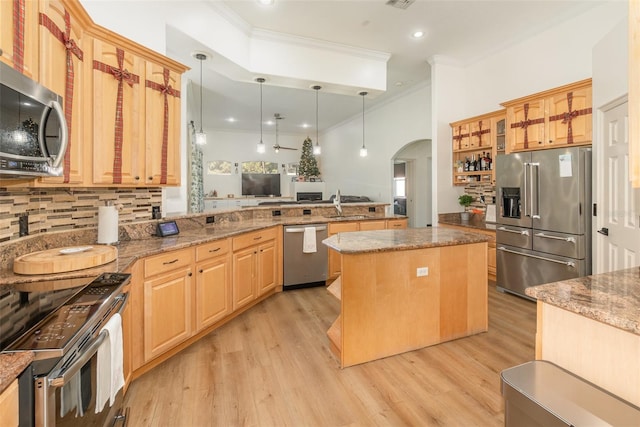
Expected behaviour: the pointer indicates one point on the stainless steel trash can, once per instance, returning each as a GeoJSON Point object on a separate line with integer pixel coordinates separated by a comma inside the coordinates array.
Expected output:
{"type": "Point", "coordinates": [541, 394]}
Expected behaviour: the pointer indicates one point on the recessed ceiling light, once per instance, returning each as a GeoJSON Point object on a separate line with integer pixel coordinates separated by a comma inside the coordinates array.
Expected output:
{"type": "Point", "coordinates": [417, 34]}
{"type": "Point", "coordinates": [269, 122]}
{"type": "Point", "coordinates": [266, 2]}
{"type": "Point", "coordinates": [306, 125]}
{"type": "Point", "coordinates": [231, 120]}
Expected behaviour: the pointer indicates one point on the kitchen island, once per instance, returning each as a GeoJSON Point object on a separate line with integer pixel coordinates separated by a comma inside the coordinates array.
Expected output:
{"type": "Point", "coordinates": [591, 327]}
{"type": "Point", "coordinates": [402, 290]}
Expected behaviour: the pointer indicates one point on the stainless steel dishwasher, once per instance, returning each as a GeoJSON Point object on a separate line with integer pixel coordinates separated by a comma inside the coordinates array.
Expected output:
{"type": "Point", "coordinates": [302, 269]}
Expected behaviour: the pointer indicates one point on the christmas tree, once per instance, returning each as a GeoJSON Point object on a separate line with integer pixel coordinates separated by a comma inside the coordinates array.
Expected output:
{"type": "Point", "coordinates": [308, 165]}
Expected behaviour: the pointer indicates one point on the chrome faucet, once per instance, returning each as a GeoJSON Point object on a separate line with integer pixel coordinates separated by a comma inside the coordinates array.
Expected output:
{"type": "Point", "coordinates": [336, 203]}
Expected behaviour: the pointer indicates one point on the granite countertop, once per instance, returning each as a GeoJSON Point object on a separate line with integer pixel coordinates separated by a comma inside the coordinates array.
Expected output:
{"type": "Point", "coordinates": [611, 298]}
{"type": "Point", "coordinates": [400, 240]}
{"type": "Point", "coordinates": [12, 365]}
{"type": "Point", "coordinates": [132, 250]}
{"type": "Point", "coordinates": [476, 221]}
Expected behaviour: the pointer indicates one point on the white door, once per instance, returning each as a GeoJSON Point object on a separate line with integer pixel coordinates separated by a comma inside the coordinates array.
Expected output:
{"type": "Point", "coordinates": [621, 247]}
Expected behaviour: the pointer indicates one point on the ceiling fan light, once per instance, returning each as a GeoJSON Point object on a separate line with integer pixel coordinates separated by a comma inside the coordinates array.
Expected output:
{"type": "Point", "coordinates": [201, 138]}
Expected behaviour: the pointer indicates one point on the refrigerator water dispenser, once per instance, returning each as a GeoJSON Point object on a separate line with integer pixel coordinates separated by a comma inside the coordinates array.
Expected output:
{"type": "Point", "coordinates": [510, 202]}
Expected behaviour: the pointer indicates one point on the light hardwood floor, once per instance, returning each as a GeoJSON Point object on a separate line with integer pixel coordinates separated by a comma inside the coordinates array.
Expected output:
{"type": "Point", "coordinates": [272, 366]}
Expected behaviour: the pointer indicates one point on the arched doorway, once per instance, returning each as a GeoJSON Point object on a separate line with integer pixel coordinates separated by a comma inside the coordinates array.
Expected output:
{"type": "Point", "coordinates": [412, 182]}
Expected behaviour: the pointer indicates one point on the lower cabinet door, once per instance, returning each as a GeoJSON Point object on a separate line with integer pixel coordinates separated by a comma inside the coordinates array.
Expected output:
{"type": "Point", "coordinates": [244, 276]}
{"type": "Point", "coordinates": [213, 291]}
{"type": "Point", "coordinates": [267, 269]}
{"type": "Point", "coordinates": [167, 312]}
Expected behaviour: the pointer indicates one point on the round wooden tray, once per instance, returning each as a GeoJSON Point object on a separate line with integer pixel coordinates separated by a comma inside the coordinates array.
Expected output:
{"type": "Point", "coordinates": [64, 259]}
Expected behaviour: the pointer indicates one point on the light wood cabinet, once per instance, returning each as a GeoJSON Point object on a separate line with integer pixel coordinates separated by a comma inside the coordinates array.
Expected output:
{"type": "Point", "coordinates": [343, 227]}
{"type": "Point", "coordinates": [476, 138]}
{"type": "Point", "coordinates": [634, 93]}
{"type": "Point", "coordinates": [558, 117]}
{"type": "Point", "coordinates": [162, 111]}
{"type": "Point", "coordinates": [334, 256]}
{"type": "Point", "coordinates": [9, 405]}
{"type": "Point", "coordinates": [127, 353]}
{"type": "Point", "coordinates": [399, 223]}
{"type": "Point", "coordinates": [19, 47]}
{"type": "Point", "coordinates": [118, 115]}
{"type": "Point", "coordinates": [491, 246]}
{"type": "Point", "coordinates": [213, 283]}
{"type": "Point", "coordinates": [62, 70]}
{"type": "Point", "coordinates": [255, 268]}
{"type": "Point", "coordinates": [167, 301]}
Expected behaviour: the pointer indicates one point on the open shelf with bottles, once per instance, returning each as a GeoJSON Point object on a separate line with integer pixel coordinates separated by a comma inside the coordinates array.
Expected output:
{"type": "Point", "coordinates": [474, 147]}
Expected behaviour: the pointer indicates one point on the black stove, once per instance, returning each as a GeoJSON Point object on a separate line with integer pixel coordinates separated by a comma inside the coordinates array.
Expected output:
{"type": "Point", "coordinates": [52, 321]}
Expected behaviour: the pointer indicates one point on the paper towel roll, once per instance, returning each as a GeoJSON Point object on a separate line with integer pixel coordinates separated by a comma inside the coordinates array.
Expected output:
{"type": "Point", "coordinates": [107, 224]}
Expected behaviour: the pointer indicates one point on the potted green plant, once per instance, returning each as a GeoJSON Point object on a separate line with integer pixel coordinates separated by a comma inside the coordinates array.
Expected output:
{"type": "Point", "coordinates": [465, 201]}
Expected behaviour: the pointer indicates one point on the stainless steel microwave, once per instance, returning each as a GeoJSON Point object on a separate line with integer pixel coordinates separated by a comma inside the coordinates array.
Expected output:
{"type": "Point", "coordinates": [33, 129]}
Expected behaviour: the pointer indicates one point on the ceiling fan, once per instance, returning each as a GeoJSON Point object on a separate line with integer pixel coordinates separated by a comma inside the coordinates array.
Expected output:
{"type": "Point", "coordinates": [277, 147]}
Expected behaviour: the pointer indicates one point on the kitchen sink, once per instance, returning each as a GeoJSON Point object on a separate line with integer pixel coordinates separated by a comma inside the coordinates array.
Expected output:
{"type": "Point", "coordinates": [348, 216]}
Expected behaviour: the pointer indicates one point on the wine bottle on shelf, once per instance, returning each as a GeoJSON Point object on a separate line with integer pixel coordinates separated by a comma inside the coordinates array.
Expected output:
{"type": "Point", "coordinates": [489, 162]}
{"type": "Point", "coordinates": [466, 164]}
{"type": "Point", "coordinates": [483, 162]}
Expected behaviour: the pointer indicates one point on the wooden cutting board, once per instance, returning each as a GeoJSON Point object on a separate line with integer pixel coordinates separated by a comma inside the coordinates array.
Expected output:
{"type": "Point", "coordinates": [64, 259]}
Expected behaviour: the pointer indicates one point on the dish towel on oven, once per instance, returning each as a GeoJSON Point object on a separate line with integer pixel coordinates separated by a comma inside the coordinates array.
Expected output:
{"type": "Point", "coordinates": [109, 376]}
{"type": "Point", "coordinates": [309, 240]}
{"type": "Point", "coordinates": [70, 397]}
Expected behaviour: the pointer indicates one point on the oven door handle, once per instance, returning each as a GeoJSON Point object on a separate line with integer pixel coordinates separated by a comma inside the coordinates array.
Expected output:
{"type": "Point", "coordinates": [87, 354]}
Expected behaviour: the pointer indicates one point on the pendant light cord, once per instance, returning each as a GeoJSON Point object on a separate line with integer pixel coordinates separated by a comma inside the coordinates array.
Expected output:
{"type": "Point", "coordinates": [201, 59]}
{"type": "Point", "coordinates": [261, 112]}
{"type": "Point", "coordinates": [363, 95]}
{"type": "Point", "coordinates": [317, 114]}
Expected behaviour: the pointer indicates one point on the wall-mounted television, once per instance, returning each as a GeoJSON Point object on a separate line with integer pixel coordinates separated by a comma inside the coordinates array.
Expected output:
{"type": "Point", "coordinates": [261, 184]}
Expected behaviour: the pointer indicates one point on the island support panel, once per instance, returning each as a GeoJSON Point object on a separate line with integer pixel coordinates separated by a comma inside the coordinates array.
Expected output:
{"type": "Point", "coordinates": [386, 309]}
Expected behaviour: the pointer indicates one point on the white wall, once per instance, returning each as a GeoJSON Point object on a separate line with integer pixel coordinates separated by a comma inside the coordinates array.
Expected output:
{"type": "Point", "coordinates": [388, 128]}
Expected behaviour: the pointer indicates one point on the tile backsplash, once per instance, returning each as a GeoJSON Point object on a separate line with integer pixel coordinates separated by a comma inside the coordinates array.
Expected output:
{"type": "Point", "coordinates": [70, 208]}
{"type": "Point", "coordinates": [478, 189]}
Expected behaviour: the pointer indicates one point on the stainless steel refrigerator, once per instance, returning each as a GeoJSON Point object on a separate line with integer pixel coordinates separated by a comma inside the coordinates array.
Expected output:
{"type": "Point", "coordinates": [544, 217]}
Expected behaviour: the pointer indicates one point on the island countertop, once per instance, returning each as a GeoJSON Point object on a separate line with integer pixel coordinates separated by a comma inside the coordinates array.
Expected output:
{"type": "Point", "coordinates": [400, 240]}
{"type": "Point", "coordinates": [611, 298]}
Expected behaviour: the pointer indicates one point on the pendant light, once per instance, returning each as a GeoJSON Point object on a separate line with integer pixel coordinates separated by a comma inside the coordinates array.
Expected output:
{"type": "Point", "coordinates": [363, 150]}
{"type": "Point", "coordinates": [201, 137]}
{"type": "Point", "coordinates": [260, 148]}
{"type": "Point", "coordinates": [316, 148]}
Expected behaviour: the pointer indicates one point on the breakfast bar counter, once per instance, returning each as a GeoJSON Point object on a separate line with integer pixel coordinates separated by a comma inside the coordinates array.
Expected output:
{"type": "Point", "coordinates": [591, 327]}
{"type": "Point", "coordinates": [402, 290]}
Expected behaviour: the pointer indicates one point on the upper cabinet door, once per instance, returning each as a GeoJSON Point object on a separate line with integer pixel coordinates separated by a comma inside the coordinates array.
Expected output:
{"type": "Point", "coordinates": [460, 136]}
{"type": "Point", "coordinates": [162, 92]}
{"type": "Point", "coordinates": [118, 115]}
{"type": "Point", "coordinates": [480, 133]}
{"type": "Point", "coordinates": [62, 69]}
{"type": "Point", "coordinates": [19, 35]}
{"type": "Point", "coordinates": [525, 126]}
{"type": "Point", "coordinates": [569, 118]}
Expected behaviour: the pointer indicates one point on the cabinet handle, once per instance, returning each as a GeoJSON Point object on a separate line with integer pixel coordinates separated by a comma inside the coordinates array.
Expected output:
{"type": "Point", "coordinates": [0, 52]}
{"type": "Point", "coordinates": [190, 274]}
{"type": "Point", "coordinates": [214, 250]}
{"type": "Point", "coordinates": [550, 141]}
{"type": "Point", "coordinates": [170, 262]}
{"type": "Point", "coordinates": [257, 238]}
{"type": "Point", "coordinates": [201, 270]}
{"type": "Point", "coordinates": [137, 178]}
{"type": "Point", "coordinates": [150, 178]}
